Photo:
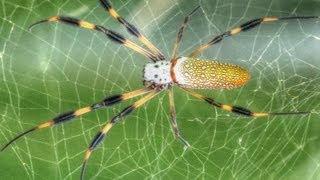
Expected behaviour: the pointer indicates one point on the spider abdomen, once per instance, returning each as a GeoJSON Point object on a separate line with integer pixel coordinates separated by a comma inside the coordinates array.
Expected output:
{"type": "Point", "coordinates": [204, 74]}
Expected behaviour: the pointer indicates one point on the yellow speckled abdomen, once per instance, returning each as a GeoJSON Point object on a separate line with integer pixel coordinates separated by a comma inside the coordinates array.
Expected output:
{"type": "Point", "coordinates": [209, 74]}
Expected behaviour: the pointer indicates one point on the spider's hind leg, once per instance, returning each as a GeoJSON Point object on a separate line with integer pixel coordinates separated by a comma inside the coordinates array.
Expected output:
{"type": "Point", "coordinates": [241, 110]}
{"type": "Point", "coordinates": [249, 25]}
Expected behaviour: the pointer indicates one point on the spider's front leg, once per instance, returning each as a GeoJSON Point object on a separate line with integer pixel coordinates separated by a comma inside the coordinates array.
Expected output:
{"type": "Point", "coordinates": [106, 128]}
{"type": "Point", "coordinates": [67, 116]}
{"type": "Point", "coordinates": [131, 29]}
{"type": "Point", "coordinates": [112, 35]}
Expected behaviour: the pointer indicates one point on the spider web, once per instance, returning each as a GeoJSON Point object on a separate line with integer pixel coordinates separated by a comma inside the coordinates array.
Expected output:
{"type": "Point", "coordinates": [56, 68]}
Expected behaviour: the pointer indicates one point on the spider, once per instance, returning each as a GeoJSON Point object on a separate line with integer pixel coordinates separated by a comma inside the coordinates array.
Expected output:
{"type": "Point", "coordinates": [161, 74]}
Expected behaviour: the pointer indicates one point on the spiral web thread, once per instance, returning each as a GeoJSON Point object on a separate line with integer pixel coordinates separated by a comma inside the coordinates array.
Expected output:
{"type": "Point", "coordinates": [56, 68]}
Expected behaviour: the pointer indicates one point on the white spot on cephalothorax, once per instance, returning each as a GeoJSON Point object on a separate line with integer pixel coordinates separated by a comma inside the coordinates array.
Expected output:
{"type": "Point", "coordinates": [158, 72]}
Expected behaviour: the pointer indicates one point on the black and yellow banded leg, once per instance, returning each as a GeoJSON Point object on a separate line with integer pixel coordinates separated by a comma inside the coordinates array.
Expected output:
{"type": "Point", "coordinates": [238, 109]}
{"type": "Point", "coordinates": [180, 33]}
{"type": "Point", "coordinates": [173, 119]}
{"type": "Point", "coordinates": [68, 116]}
{"type": "Point", "coordinates": [244, 27]}
{"type": "Point", "coordinates": [112, 35]}
{"type": "Point", "coordinates": [102, 133]}
{"type": "Point", "coordinates": [131, 29]}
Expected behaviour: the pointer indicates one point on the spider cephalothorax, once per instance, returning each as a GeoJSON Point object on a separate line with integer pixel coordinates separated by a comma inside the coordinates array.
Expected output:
{"type": "Point", "coordinates": [159, 75]}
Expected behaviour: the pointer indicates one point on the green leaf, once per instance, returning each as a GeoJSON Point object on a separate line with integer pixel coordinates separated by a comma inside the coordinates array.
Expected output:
{"type": "Point", "coordinates": [56, 68]}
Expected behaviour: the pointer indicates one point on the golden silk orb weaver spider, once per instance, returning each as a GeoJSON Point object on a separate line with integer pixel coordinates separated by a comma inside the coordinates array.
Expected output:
{"type": "Point", "coordinates": [161, 74]}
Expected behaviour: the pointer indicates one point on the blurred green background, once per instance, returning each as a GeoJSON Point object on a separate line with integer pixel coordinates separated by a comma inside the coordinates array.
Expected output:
{"type": "Point", "coordinates": [56, 68]}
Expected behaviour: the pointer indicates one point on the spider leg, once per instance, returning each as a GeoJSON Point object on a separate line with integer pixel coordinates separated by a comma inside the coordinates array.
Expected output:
{"type": "Point", "coordinates": [112, 35]}
{"type": "Point", "coordinates": [131, 28]}
{"type": "Point", "coordinates": [238, 109]}
{"type": "Point", "coordinates": [244, 27]}
{"type": "Point", "coordinates": [102, 133]}
{"type": "Point", "coordinates": [67, 116]}
{"type": "Point", "coordinates": [173, 121]}
{"type": "Point", "coordinates": [180, 33]}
